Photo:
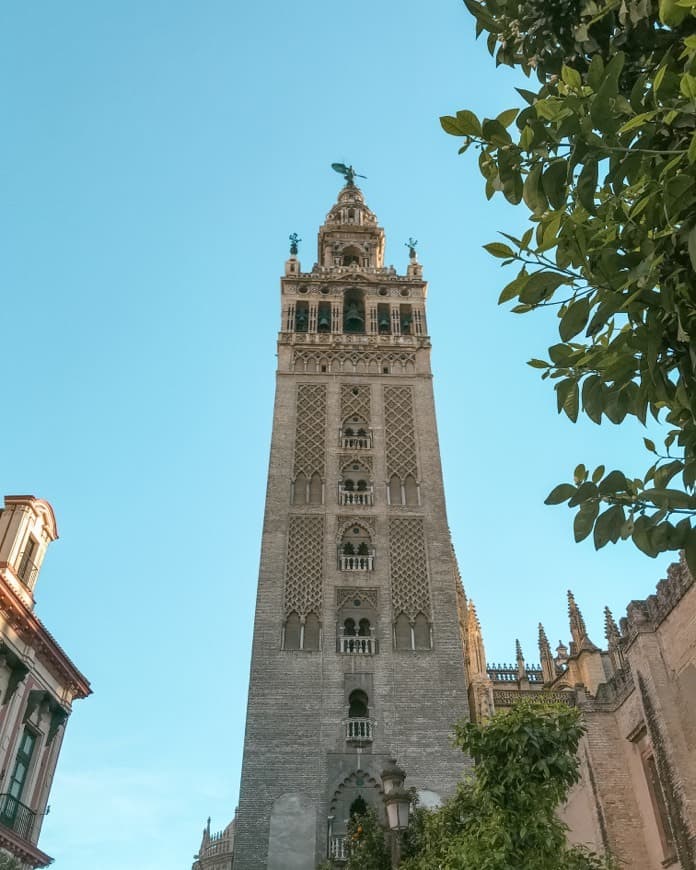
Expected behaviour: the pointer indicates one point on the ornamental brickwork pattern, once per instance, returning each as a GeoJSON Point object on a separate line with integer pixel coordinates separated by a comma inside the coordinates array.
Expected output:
{"type": "Point", "coordinates": [360, 362]}
{"type": "Point", "coordinates": [304, 565]}
{"type": "Point", "coordinates": [310, 430]}
{"type": "Point", "coordinates": [410, 588]}
{"type": "Point", "coordinates": [355, 401]}
{"type": "Point", "coordinates": [399, 432]}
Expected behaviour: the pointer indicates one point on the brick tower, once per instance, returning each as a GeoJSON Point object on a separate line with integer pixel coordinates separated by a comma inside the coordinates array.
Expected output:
{"type": "Point", "coordinates": [357, 652]}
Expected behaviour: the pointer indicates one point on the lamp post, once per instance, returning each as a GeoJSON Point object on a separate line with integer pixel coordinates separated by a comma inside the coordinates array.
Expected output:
{"type": "Point", "coordinates": [398, 804]}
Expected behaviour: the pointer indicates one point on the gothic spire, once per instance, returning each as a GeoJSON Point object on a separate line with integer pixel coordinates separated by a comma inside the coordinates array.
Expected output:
{"type": "Point", "coordinates": [578, 630]}
{"type": "Point", "coordinates": [611, 629]}
{"type": "Point", "coordinates": [548, 667]}
{"type": "Point", "coordinates": [521, 668]}
{"type": "Point", "coordinates": [476, 651]}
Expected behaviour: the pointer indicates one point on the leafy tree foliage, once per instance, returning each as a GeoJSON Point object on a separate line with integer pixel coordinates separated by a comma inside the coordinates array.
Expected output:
{"type": "Point", "coordinates": [603, 155]}
{"type": "Point", "coordinates": [505, 816]}
{"type": "Point", "coordinates": [368, 843]}
{"type": "Point", "coordinates": [9, 862]}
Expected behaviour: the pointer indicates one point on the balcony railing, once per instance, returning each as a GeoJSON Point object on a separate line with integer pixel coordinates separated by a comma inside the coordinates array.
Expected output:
{"type": "Point", "coordinates": [339, 849]}
{"type": "Point", "coordinates": [16, 816]}
{"type": "Point", "coordinates": [27, 570]}
{"type": "Point", "coordinates": [355, 563]}
{"type": "Point", "coordinates": [356, 645]}
{"type": "Point", "coordinates": [356, 442]}
{"type": "Point", "coordinates": [355, 496]}
{"type": "Point", "coordinates": [359, 730]}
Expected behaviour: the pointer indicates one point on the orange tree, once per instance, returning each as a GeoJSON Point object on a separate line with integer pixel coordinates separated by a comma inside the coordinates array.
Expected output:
{"type": "Point", "coordinates": [602, 153]}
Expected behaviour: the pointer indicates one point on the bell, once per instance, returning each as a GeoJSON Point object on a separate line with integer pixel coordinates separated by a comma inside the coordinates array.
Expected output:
{"type": "Point", "coordinates": [354, 319]}
{"type": "Point", "coordinates": [301, 322]}
{"type": "Point", "coordinates": [324, 323]}
{"type": "Point", "coordinates": [384, 323]}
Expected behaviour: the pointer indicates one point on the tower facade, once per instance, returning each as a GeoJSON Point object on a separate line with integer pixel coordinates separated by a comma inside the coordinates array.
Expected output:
{"type": "Point", "coordinates": [358, 651]}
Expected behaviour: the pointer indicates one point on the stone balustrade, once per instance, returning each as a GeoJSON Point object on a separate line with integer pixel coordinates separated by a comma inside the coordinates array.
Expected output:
{"type": "Point", "coordinates": [356, 563]}
{"type": "Point", "coordinates": [359, 730]}
{"type": "Point", "coordinates": [357, 645]}
{"type": "Point", "coordinates": [362, 498]}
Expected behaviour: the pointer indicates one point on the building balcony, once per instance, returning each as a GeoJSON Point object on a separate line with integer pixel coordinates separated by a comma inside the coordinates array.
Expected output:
{"type": "Point", "coordinates": [356, 442]}
{"type": "Point", "coordinates": [339, 849]}
{"type": "Point", "coordinates": [28, 570]}
{"type": "Point", "coordinates": [359, 730]}
{"type": "Point", "coordinates": [361, 498]}
{"type": "Point", "coordinates": [16, 816]}
{"type": "Point", "coordinates": [356, 563]}
{"type": "Point", "coordinates": [355, 645]}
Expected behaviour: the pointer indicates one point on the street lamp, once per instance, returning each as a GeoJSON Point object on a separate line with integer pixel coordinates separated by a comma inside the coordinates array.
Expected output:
{"type": "Point", "coordinates": [398, 803]}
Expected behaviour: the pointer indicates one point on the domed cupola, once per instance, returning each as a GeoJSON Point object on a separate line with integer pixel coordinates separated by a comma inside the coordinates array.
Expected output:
{"type": "Point", "coordinates": [350, 236]}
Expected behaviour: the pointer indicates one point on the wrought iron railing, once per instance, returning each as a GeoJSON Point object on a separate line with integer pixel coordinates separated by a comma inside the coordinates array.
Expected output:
{"type": "Point", "coordinates": [16, 816]}
{"type": "Point", "coordinates": [27, 570]}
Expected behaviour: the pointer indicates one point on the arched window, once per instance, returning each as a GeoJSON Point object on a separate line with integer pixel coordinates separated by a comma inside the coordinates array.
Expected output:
{"type": "Point", "coordinates": [311, 633]}
{"type": "Point", "coordinates": [315, 489]}
{"type": "Point", "coordinates": [357, 705]}
{"type": "Point", "coordinates": [292, 632]}
{"type": "Point", "coordinates": [395, 490]}
{"type": "Point", "coordinates": [358, 807]}
{"type": "Point", "coordinates": [348, 485]}
{"type": "Point", "coordinates": [411, 489]}
{"type": "Point", "coordinates": [301, 317]}
{"type": "Point", "coordinates": [402, 632]}
{"type": "Point", "coordinates": [362, 486]}
{"type": "Point", "coordinates": [353, 310]}
{"type": "Point", "coordinates": [349, 627]}
{"type": "Point", "coordinates": [421, 632]}
{"type": "Point", "coordinates": [324, 317]}
{"type": "Point", "coordinates": [364, 628]}
{"type": "Point", "coordinates": [299, 492]}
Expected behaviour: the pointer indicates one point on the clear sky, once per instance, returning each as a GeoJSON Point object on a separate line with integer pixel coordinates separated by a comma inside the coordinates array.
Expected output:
{"type": "Point", "coordinates": [155, 155]}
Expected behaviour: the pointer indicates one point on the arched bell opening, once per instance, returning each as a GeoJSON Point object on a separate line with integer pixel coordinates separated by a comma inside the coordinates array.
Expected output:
{"type": "Point", "coordinates": [302, 317]}
{"type": "Point", "coordinates": [354, 311]}
{"type": "Point", "coordinates": [324, 317]}
{"type": "Point", "coordinates": [351, 256]}
{"type": "Point", "coordinates": [383, 319]}
{"type": "Point", "coordinates": [355, 551]}
{"type": "Point", "coordinates": [355, 486]}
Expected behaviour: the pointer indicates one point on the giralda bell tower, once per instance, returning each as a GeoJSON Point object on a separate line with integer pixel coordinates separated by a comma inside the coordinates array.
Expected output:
{"type": "Point", "coordinates": [357, 653]}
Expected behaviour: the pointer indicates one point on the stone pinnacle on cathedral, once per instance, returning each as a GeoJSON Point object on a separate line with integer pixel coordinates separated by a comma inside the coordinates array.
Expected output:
{"type": "Point", "coordinates": [548, 666]}
{"type": "Point", "coordinates": [521, 667]}
{"type": "Point", "coordinates": [578, 630]}
{"type": "Point", "coordinates": [611, 629]}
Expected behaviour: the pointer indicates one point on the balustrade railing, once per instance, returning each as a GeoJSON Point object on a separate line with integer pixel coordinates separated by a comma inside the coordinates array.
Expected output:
{"type": "Point", "coordinates": [16, 816]}
{"type": "Point", "coordinates": [360, 730]}
{"type": "Point", "coordinates": [356, 563]}
{"type": "Point", "coordinates": [27, 570]}
{"type": "Point", "coordinates": [355, 496]}
{"type": "Point", "coordinates": [357, 645]}
{"type": "Point", "coordinates": [338, 848]}
{"type": "Point", "coordinates": [356, 442]}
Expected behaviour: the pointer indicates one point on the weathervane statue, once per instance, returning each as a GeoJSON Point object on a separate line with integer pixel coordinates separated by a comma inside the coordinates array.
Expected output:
{"type": "Point", "coordinates": [347, 172]}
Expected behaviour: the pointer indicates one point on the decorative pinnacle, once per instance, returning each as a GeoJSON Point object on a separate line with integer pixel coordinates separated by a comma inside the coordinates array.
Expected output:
{"type": "Point", "coordinates": [611, 629]}
{"type": "Point", "coordinates": [518, 650]}
{"type": "Point", "coordinates": [544, 645]}
{"type": "Point", "coordinates": [578, 629]}
{"type": "Point", "coordinates": [294, 242]}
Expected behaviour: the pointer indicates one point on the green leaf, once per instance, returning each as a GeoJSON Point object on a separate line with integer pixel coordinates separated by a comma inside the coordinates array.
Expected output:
{"type": "Point", "coordinates": [692, 247]}
{"type": "Point", "coordinates": [533, 191]}
{"type": "Point", "coordinates": [595, 73]}
{"type": "Point", "coordinates": [538, 364]}
{"type": "Point", "coordinates": [560, 493]}
{"type": "Point", "coordinates": [571, 77]}
{"type": "Point", "coordinates": [469, 122]}
{"type": "Point", "coordinates": [500, 250]}
{"type": "Point", "coordinates": [587, 185]}
{"type": "Point", "coordinates": [554, 183]}
{"type": "Point", "coordinates": [574, 319]}
{"type": "Point", "coordinates": [678, 194]}
{"type": "Point", "coordinates": [541, 285]}
{"type": "Point", "coordinates": [507, 117]}
{"type": "Point", "coordinates": [687, 85]}
{"type": "Point", "coordinates": [637, 121]}
{"type": "Point", "coordinates": [614, 482]}
{"type": "Point", "coordinates": [585, 491]}
{"type": "Point", "coordinates": [650, 445]}
{"type": "Point", "coordinates": [584, 520]}
{"type": "Point", "coordinates": [691, 152]}
{"type": "Point", "coordinates": [597, 474]}
{"type": "Point", "coordinates": [580, 474]}
{"type": "Point", "coordinates": [608, 526]}
{"type": "Point", "coordinates": [494, 132]}
{"type": "Point", "coordinates": [452, 126]}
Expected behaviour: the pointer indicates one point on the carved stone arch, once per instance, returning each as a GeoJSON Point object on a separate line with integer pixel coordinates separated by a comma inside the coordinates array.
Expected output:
{"type": "Point", "coordinates": [359, 784]}
{"type": "Point", "coordinates": [346, 462]}
{"type": "Point", "coordinates": [345, 523]}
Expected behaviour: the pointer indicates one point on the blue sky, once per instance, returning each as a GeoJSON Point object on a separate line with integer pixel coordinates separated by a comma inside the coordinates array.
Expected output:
{"type": "Point", "coordinates": [154, 158]}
